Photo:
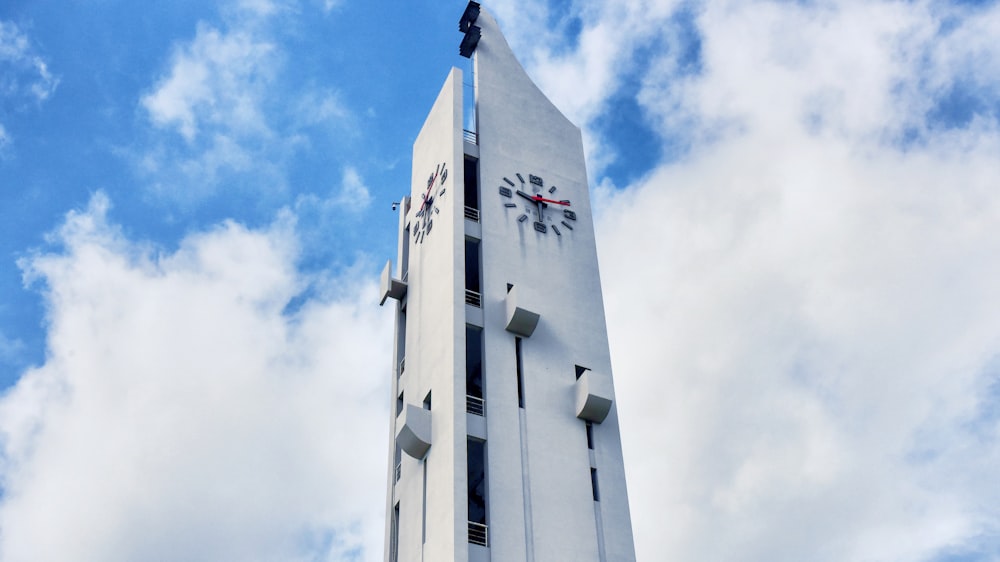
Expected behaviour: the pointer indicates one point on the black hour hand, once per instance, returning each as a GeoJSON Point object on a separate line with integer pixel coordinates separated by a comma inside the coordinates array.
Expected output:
{"type": "Point", "coordinates": [526, 196]}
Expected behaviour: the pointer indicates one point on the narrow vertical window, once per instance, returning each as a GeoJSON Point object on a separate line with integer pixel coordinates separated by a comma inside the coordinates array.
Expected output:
{"type": "Point", "coordinates": [473, 290]}
{"type": "Point", "coordinates": [478, 501]}
{"type": "Point", "coordinates": [474, 397]}
{"type": "Point", "coordinates": [399, 404]}
{"type": "Point", "coordinates": [427, 401]}
{"type": "Point", "coordinates": [405, 265]}
{"type": "Point", "coordinates": [423, 515]}
{"type": "Point", "coordinates": [401, 342]}
{"type": "Point", "coordinates": [394, 535]}
{"type": "Point", "coordinates": [590, 435]}
{"type": "Point", "coordinates": [397, 463]}
{"type": "Point", "coordinates": [593, 484]}
{"type": "Point", "coordinates": [580, 371]}
{"type": "Point", "coordinates": [520, 376]}
{"type": "Point", "coordinates": [471, 183]}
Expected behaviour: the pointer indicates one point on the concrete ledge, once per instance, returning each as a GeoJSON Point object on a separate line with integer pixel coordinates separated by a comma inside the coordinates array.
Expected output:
{"type": "Point", "coordinates": [593, 397]}
{"type": "Point", "coordinates": [389, 286]}
{"type": "Point", "coordinates": [521, 318]}
{"type": "Point", "coordinates": [414, 433]}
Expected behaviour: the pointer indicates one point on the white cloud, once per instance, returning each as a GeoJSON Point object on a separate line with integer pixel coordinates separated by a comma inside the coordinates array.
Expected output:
{"type": "Point", "coordinates": [342, 206]}
{"type": "Point", "coordinates": [216, 81]}
{"type": "Point", "coordinates": [10, 348]}
{"type": "Point", "coordinates": [227, 93]}
{"type": "Point", "coordinates": [353, 194]}
{"type": "Point", "coordinates": [805, 334]}
{"type": "Point", "coordinates": [181, 414]}
{"type": "Point", "coordinates": [25, 78]}
{"type": "Point", "coordinates": [315, 107]}
{"type": "Point", "coordinates": [25, 73]}
{"type": "Point", "coordinates": [330, 5]}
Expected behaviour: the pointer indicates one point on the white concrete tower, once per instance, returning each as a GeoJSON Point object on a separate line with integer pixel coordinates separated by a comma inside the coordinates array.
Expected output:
{"type": "Point", "coordinates": [505, 440]}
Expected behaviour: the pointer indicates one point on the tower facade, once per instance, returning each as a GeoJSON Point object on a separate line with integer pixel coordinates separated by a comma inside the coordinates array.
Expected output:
{"type": "Point", "coordinates": [505, 440]}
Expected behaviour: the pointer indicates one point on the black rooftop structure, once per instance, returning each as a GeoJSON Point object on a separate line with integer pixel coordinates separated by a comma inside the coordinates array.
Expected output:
{"type": "Point", "coordinates": [472, 32]}
{"type": "Point", "coordinates": [469, 17]}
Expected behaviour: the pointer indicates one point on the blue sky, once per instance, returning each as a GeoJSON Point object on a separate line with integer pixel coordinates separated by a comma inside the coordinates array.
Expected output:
{"type": "Point", "coordinates": [797, 208]}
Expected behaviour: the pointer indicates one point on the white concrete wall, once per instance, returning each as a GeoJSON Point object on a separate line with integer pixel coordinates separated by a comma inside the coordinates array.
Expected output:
{"type": "Point", "coordinates": [435, 350]}
{"type": "Point", "coordinates": [520, 131]}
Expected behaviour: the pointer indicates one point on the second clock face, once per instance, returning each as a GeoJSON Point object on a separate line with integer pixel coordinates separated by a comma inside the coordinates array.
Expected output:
{"type": "Point", "coordinates": [532, 200]}
{"type": "Point", "coordinates": [428, 208]}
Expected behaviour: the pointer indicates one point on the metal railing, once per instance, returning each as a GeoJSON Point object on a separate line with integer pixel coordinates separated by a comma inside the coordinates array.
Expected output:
{"type": "Point", "coordinates": [398, 471]}
{"type": "Point", "coordinates": [478, 534]}
{"type": "Point", "coordinates": [472, 214]}
{"type": "Point", "coordinates": [473, 298]}
{"type": "Point", "coordinates": [470, 136]}
{"type": "Point", "coordinates": [475, 405]}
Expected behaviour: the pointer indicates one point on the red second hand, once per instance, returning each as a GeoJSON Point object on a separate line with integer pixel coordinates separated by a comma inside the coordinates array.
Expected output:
{"type": "Point", "coordinates": [544, 200]}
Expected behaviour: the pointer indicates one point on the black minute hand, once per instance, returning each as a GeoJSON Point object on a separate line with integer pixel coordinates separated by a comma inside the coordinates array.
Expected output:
{"type": "Point", "coordinates": [526, 196]}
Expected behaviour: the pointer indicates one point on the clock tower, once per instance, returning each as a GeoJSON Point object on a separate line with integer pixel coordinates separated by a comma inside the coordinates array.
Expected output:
{"type": "Point", "coordinates": [505, 443]}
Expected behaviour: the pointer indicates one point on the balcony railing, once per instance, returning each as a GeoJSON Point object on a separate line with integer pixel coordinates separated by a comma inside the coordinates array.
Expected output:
{"type": "Point", "coordinates": [472, 214]}
{"type": "Point", "coordinates": [470, 136]}
{"type": "Point", "coordinates": [473, 298]}
{"type": "Point", "coordinates": [478, 534]}
{"type": "Point", "coordinates": [475, 405]}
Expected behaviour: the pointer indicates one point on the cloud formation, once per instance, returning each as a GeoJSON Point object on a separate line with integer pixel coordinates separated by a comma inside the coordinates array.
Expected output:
{"type": "Point", "coordinates": [216, 81]}
{"type": "Point", "coordinates": [803, 299]}
{"type": "Point", "coordinates": [809, 318]}
{"type": "Point", "coordinates": [225, 113]}
{"type": "Point", "coordinates": [25, 78]}
{"type": "Point", "coordinates": [25, 72]}
{"type": "Point", "coordinates": [184, 411]}
{"type": "Point", "coordinates": [353, 195]}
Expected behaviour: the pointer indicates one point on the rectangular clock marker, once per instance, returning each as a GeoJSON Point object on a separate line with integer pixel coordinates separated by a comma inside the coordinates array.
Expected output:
{"type": "Point", "coordinates": [508, 181]}
{"type": "Point", "coordinates": [505, 191]}
{"type": "Point", "coordinates": [510, 205]}
{"type": "Point", "coordinates": [556, 230]}
{"type": "Point", "coordinates": [520, 177]}
{"type": "Point", "coordinates": [522, 218]}
{"type": "Point", "coordinates": [566, 224]}
{"type": "Point", "coordinates": [552, 189]}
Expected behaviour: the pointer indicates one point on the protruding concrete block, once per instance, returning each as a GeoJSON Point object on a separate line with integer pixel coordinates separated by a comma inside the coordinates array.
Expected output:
{"type": "Point", "coordinates": [414, 433]}
{"type": "Point", "coordinates": [593, 397]}
{"type": "Point", "coordinates": [521, 316]}
{"type": "Point", "coordinates": [391, 287]}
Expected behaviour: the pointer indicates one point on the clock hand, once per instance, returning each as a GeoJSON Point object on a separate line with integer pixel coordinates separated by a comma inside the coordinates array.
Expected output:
{"type": "Point", "coordinates": [564, 202]}
{"type": "Point", "coordinates": [540, 199]}
{"type": "Point", "coordinates": [430, 185]}
{"type": "Point", "coordinates": [428, 192]}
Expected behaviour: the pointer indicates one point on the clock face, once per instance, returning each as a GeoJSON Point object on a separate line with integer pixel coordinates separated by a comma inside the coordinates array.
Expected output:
{"type": "Point", "coordinates": [533, 201]}
{"type": "Point", "coordinates": [428, 207]}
